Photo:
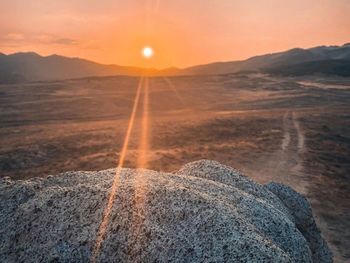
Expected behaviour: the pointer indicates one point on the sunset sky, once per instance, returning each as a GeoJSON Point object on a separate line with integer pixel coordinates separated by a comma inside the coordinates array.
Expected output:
{"type": "Point", "coordinates": [181, 32]}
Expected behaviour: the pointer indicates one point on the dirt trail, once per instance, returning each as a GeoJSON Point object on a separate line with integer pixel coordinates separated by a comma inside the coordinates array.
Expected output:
{"type": "Point", "coordinates": [284, 165]}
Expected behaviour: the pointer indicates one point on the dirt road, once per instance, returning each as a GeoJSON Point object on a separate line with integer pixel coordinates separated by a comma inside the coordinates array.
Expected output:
{"type": "Point", "coordinates": [286, 164]}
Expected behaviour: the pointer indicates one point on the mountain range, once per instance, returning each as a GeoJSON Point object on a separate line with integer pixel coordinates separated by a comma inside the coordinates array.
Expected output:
{"type": "Point", "coordinates": [29, 66]}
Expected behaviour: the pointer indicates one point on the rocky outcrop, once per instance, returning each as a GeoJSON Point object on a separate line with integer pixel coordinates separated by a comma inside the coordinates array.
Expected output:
{"type": "Point", "coordinates": [206, 212]}
{"type": "Point", "coordinates": [300, 209]}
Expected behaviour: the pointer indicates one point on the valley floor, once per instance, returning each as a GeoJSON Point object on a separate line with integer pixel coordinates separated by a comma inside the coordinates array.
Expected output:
{"type": "Point", "coordinates": [294, 131]}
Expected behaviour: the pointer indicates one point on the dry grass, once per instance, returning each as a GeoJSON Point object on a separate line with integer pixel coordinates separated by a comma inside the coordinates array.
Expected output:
{"type": "Point", "coordinates": [47, 128]}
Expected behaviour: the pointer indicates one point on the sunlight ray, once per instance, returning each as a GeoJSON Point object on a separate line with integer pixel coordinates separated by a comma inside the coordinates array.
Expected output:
{"type": "Point", "coordinates": [106, 214]}
{"type": "Point", "coordinates": [144, 141]}
{"type": "Point", "coordinates": [142, 163]}
{"type": "Point", "coordinates": [174, 89]}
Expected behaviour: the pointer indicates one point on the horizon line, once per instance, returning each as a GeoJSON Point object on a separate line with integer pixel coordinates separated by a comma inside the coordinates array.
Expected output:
{"type": "Point", "coordinates": [172, 67]}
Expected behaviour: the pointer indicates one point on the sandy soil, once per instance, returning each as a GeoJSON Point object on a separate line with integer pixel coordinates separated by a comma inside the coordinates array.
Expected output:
{"type": "Point", "coordinates": [294, 131]}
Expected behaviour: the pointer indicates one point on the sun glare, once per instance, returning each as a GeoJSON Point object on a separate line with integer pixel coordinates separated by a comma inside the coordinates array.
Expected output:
{"type": "Point", "coordinates": [147, 52]}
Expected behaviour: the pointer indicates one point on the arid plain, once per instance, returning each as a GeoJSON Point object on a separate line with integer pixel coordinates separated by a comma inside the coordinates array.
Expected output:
{"type": "Point", "coordinates": [290, 130]}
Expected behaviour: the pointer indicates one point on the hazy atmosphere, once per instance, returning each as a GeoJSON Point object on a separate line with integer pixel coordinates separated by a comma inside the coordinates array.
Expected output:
{"type": "Point", "coordinates": [175, 131]}
{"type": "Point", "coordinates": [183, 33]}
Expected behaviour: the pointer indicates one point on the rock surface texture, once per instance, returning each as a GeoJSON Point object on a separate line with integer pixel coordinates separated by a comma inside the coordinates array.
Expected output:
{"type": "Point", "coordinates": [205, 212]}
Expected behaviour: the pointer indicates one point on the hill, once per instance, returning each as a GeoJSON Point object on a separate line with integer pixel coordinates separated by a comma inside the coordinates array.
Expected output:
{"type": "Point", "coordinates": [32, 67]}
{"type": "Point", "coordinates": [288, 58]}
{"type": "Point", "coordinates": [332, 67]}
{"type": "Point", "coordinates": [20, 67]}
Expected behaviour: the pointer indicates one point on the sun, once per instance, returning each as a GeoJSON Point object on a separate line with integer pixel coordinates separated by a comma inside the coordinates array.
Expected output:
{"type": "Point", "coordinates": [147, 52]}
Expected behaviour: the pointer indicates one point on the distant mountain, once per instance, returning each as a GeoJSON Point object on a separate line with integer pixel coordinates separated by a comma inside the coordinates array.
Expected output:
{"type": "Point", "coordinates": [285, 59]}
{"type": "Point", "coordinates": [337, 67]}
{"type": "Point", "coordinates": [30, 66]}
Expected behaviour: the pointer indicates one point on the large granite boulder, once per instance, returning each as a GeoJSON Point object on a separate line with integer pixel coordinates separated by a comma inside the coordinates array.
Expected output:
{"type": "Point", "coordinates": [206, 212]}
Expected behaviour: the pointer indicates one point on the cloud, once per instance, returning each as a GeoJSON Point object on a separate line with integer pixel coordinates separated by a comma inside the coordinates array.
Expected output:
{"type": "Point", "coordinates": [54, 40]}
{"type": "Point", "coordinates": [13, 37]}
{"type": "Point", "coordinates": [12, 40]}
{"type": "Point", "coordinates": [65, 41]}
{"type": "Point", "coordinates": [18, 39]}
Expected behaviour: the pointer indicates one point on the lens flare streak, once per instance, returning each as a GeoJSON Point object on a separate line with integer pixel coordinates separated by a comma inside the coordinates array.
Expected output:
{"type": "Point", "coordinates": [139, 180]}
{"type": "Point", "coordinates": [144, 142]}
{"type": "Point", "coordinates": [173, 88]}
{"type": "Point", "coordinates": [106, 214]}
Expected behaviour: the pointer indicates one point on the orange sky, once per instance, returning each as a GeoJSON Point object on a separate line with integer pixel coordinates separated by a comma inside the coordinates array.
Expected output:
{"type": "Point", "coordinates": [182, 32]}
